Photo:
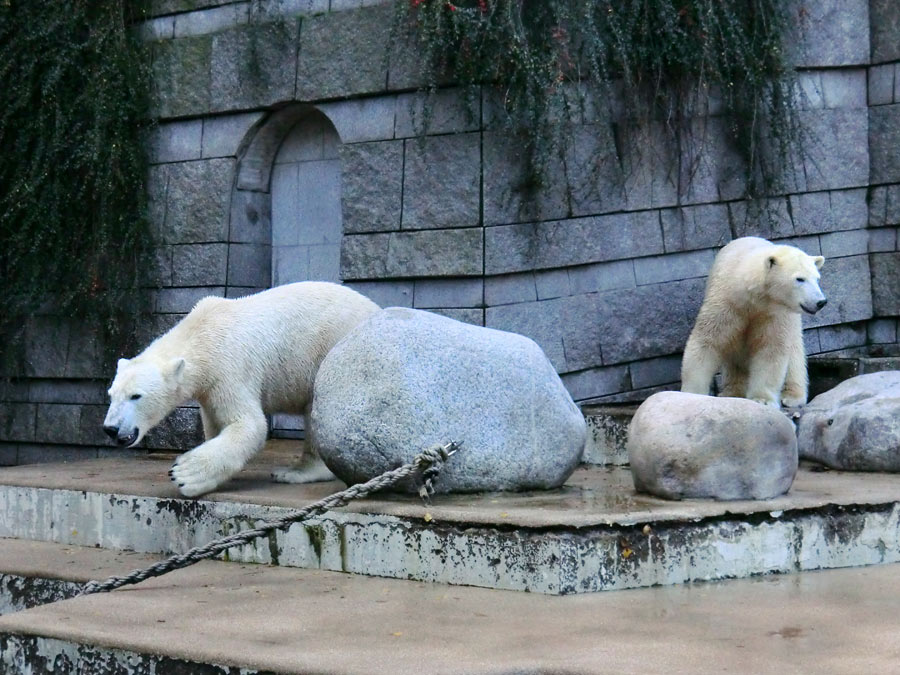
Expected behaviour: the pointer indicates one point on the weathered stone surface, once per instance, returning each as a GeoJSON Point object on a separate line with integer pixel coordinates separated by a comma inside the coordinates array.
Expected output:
{"type": "Point", "coordinates": [386, 293]}
{"type": "Point", "coordinates": [529, 246]}
{"type": "Point", "coordinates": [881, 84]}
{"type": "Point", "coordinates": [770, 219]}
{"type": "Point", "coordinates": [210, 20]}
{"type": "Point", "coordinates": [465, 314]}
{"type": "Point", "coordinates": [832, 338]}
{"type": "Point", "coordinates": [882, 239]}
{"type": "Point", "coordinates": [509, 289]}
{"type": "Point", "coordinates": [182, 300]}
{"type": "Point", "coordinates": [847, 284]}
{"type": "Point", "coordinates": [884, 137]}
{"type": "Point", "coordinates": [438, 253]}
{"type": "Point", "coordinates": [181, 76]}
{"type": "Point", "coordinates": [673, 267]}
{"type": "Point", "coordinates": [856, 425]}
{"type": "Point", "coordinates": [595, 177]}
{"type": "Point", "coordinates": [251, 218]}
{"type": "Point", "coordinates": [199, 264]}
{"type": "Point", "coordinates": [358, 67]}
{"type": "Point", "coordinates": [46, 346]}
{"type": "Point", "coordinates": [885, 26]}
{"type": "Point", "coordinates": [693, 227]}
{"type": "Point", "coordinates": [828, 33]}
{"type": "Point", "coordinates": [405, 380]}
{"type": "Point", "coordinates": [253, 65]}
{"type": "Point", "coordinates": [249, 265]}
{"type": "Point", "coordinates": [222, 135]}
{"type": "Point", "coordinates": [450, 113]}
{"type": "Point", "coordinates": [837, 149]}
{"type": "Point", "coordinates": [17, 421]}
{"type": "Point", "coordinates": [552, 284]}
{"type": "Point", "coordinates": [882, 331]}
{"type": "Point", "coordinates": [692, 446]}
{"type": "Point", "coordinates": [441, 185]}
{"type": "Point", "coordinates": [372, 184]}
{"type": "Point", "coordinates": [601, 277]}
{"type": "Point", "coordinates": [595, 382]}
{"type": "Point", "coordinates": [886, 283]}
{"type": "Point", "coordinates": [840, 244]}
{"type": "Point", "coordinates": [197, 201]}
{"type": "Point", "coordinates": [176, 141]}
{"type": "Point", "coordinates": [445, 293]}
{"type": "Point", "coordinates": [367, 119]}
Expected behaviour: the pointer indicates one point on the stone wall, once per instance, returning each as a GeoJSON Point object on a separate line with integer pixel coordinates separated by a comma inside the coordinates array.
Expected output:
{"type": "Point", "coordinates": [604, 268]}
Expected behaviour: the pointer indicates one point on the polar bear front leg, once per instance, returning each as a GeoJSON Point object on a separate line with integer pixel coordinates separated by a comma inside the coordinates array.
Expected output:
{"type": "Point", "coordinates": [767, 372]}
{"type": "Point", "coordinates": [698, 367]}
{"type": "Point", "coordinates": [212, 463]}
{"type": "Point", "coordinates": [796, 382]}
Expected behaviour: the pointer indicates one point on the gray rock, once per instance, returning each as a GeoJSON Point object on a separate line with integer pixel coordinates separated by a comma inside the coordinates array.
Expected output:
{"type": "Point", "coordinates": [688, 445]}
{"type": "Point", "coordinates": [406, 379]}
{"type": "Point", "coordinates": [856, 425]}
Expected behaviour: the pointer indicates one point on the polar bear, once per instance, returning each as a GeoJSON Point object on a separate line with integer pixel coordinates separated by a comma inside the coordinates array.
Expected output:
{"type": "Point", "coordinates": [239, 359]}
{"type": "Point", "coordinates": [749, 324]}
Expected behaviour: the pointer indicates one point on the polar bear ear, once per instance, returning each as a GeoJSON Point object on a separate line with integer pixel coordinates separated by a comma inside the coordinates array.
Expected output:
{"type": "Point", "coordinates": [771, 262]}
{"type": "Point", "coordinates": [122, 363]}
{"type": "Point", "coordinates": [176, 367]}
{"type": "Point", "coordinates": [819, 261]}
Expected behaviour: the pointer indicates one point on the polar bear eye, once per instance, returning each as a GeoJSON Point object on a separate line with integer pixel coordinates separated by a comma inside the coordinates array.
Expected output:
{"type": "Point", "coordinates": [800, 280]}
{"type": "Point", "coordinates": [135, 397]}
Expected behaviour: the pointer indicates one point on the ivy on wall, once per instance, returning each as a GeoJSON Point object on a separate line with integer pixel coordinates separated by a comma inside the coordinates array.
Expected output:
{"type": "Point", "coordinates": [629, 62]}
{"type": "Point", "coordinates": [74, 235]}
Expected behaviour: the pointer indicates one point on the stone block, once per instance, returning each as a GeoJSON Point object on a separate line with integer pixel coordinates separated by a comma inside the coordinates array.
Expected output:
{"type": "Point", "coordinates": [443, 112]}
{"type": "Point", "coordinates": [386, 293]}
{"type": "Point", "coordinates": [884, 139]}
{"type": "Point", "coordinates": [211, 20]}
{"type": "Point", "coordinates": [849, 210]}
{"type": "Point", "coordinates": [596, 183]}
{"type": "Point", "coordinates": [847, 285]}
{"type": "Point", "coordinates": [325, 262]}
{"type": "Point", "coordinates": [182, 300]}
{"type": "Point", "coordinates": [509, 195]}
{"type": "Point", "coordinates": [711, 168]}
{"type": "Point", "coordinates": [249, 265]}
{"type": "Point", "coordinates": [811, 341]}
{"type": "Point", "coordinates": [290, 264]}
{"type": "Point", "coordinates": [361, 120]}
{"type": "Point", "coordinates": [372, 175]}
{"type": "Point", "coordinates": [68, 391]}
{"type": "Point", "coordinates": [441, 182]}
{"type": "Point", "coordinates": [659, 327]}
{"type": "Point", "coordinates": [468, 315]}
{"type": "Point", "coordinates": [46, 347]}
{"type": "Point", "coordinates": [769, 218]}
{"type": "Point", "coordinates": [447, 293]}
{"type": "Point", "coordinates": [197, 200]}
{"type": "Point", "coordinates": [828, 33]}
{"type": "Point", "coordinates": [85, 355]}
{"type": "Point", "coordinates": [223, 134]}
{"type": "Point", "coordinates": [426, 253]}
{"type": "Point", "coordinates": [364, 256]}
{"type": "Point", "coordinates": [181, 76]}
{"type": "Point", "coordinates": [151, 30]}
{"type": "Point", "coordinates": [175, 141]}
{"type": "Point", "coordinates": [892, 205]}
{"type": "Point", "coordinates": [653, 372]}
{"type": "Point", "coordinates": [844, 336]}
{"type": "Point", "coordinates": [17, 421]}
{"type": "Point", "coordinates": [694, 227]}
{"type": "Point", "coordinates": [673, 267]}
{"type": "Point", "coordinates": [251, 218]}
{"type": "Point", "coordinates": [837, 150]}
{"type": "Point", "coordinates": [840, 244]}
{"type": "Point", "coordinates": [881, 84]}
{"type": "Point", "coordinates": [886, 284]}
{"type": "Point", "coordinates": [567, 329]}
{"type": "Point", "coordinates": [90, 426]}
{"type": "Point", "coordinates": [809, 245]}
{"type": "Point", "coordinates": [180, 431]}
{"type": "Point", "coordinates": [199, 264]}
{"type": "Point", "coordinates": [882, 331]}
{"type": "Point", "coordinates": [882, 239]}
{"type": "Point", "coordinates": [815, 212]}
{"type": "Point", "coordinates": [509, 288]}
{"type": "Point", "coordinates": [58, 423]}
{"type": "Point", "coordinates": [233, 292]}
{"type": "Point", "coordinates": [601, 277]}
{"type": "Point", "coordinates": [649, 166]}
{"type": "Point", "coordinates": [845, 88]}
{"type": "Point", "coordinates": [47, 454]}
{"type": "Point", "coordinates": [552, 284]}
{"type": "Point", "coordinates": [358, 67]}
{"type": "Point", "coordinates": [885, 26]}
{"type": "Point", "coordinates": [158, 7]}
{"type": "Point", "coordinates": [9, 454]}
{"type": "Point", "coordinates": [253, 66]}
{"type": "Point", "coordinates": [157, 187]}
{"type": "Point", "coordinates": [529, 246]}
{"type": "Point", "coordinates": [161, 272]}
{"type": "Point", "coordinates": [595, 382]}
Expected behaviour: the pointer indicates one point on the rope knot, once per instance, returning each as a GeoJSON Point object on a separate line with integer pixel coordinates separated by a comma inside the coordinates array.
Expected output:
{"type": "Point", "coordinates": [431, 461]}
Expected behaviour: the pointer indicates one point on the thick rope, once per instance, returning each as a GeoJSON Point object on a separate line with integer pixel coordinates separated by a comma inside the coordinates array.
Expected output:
{"type": "Point", "coordinates": [428, 463]}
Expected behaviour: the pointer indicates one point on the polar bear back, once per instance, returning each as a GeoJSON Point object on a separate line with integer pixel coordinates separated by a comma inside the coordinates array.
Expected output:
{"type": "Point", "coordinates": [268, 344]}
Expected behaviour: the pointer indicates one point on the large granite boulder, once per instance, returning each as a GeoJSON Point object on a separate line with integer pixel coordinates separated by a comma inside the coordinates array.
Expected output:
{"type": "Point", "coordinates": [856, 425]}
{"type": "Point", "coordinates": [688, 445]}
{"type": "Point", "coordinates": [405, 379]}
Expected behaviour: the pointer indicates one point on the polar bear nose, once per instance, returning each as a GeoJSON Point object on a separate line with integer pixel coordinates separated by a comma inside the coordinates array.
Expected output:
{"type": "Point", "coordinates": [821, 303]}
{"type": "Point", "coordinates": [111, 431]}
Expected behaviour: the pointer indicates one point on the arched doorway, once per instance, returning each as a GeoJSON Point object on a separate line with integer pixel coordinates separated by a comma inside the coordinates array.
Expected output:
{"type": "Point", "coordinates": [306, 203]}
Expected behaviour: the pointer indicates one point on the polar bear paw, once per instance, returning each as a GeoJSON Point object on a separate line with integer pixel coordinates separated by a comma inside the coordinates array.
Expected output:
{"type": "Point", "coordinates": [198, 472]}
{"type": "Point", "coordinates": [793, 401]}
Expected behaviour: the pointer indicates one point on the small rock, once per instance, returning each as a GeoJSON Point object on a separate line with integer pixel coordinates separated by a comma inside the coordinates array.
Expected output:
{"type": "Point", "coordinates": [689, 445]}
{"type": "Point", "coordinates": [856, 425]}
{"type": "Point", "coordinates": [405, 380]}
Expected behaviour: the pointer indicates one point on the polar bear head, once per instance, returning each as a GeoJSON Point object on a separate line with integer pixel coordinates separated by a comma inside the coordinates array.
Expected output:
{"type": "Point", "coordinates": [792, 279]}
{"type": "Point", "coordinates": [142, 394]}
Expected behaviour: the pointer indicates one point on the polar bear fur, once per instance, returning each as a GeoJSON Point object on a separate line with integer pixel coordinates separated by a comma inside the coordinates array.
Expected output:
{"type": "Point", "coordinates": [749, 324]}
{"type": "Point", "coordinates": [240, 360]}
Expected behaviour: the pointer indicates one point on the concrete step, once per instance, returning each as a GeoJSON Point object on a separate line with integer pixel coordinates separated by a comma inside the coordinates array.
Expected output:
{"type": "Point", "coordinates": [594, 534]}
{"type": "Point", "coordinates": [607, 427]}
{"type": "Point", "coordinates": [218, 618]}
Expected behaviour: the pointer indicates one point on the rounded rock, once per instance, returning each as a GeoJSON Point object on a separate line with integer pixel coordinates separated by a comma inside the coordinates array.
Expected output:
{"type": "Point", "coordinates": [406, 379]}
{"type": "Point", "coordinates": [856, 425]}
{"type": "Point", "coordinates": [693, 446]}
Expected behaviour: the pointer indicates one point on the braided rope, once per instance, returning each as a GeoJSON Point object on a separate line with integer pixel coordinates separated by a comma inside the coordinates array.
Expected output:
{"type": "Point", "coordinates": [427, 463]}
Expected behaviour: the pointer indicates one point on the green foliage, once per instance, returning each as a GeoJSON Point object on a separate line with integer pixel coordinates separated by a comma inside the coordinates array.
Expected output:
{"type": "Point", "coordinates": [555, 62]}
{"type": "Point", "coordinates": [74, 235]}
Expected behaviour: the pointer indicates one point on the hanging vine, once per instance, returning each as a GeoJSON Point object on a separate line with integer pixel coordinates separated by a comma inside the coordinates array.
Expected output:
{"type": "Point", "coordinates": [74, 235]}
{"type": "Point", "coordinates": [631, 63]}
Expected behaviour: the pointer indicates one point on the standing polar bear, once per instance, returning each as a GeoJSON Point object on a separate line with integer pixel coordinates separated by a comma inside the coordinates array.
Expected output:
{"type": "Point", "coordinates": [749, 324]}
{"type": "Point", "coordinates": [239, 359]}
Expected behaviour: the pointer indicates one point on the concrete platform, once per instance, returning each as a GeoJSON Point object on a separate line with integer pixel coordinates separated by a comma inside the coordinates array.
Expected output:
{"type": "Point", "coordinates": [218, 618]}
{"type": "Point", "coordinates": [593, 534]}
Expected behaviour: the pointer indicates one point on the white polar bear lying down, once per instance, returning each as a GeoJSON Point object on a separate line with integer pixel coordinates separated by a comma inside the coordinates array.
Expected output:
{"type": "Point", "coordinates": [749, 324]}
{"type": "Point", "coordinates": [240, 359]}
